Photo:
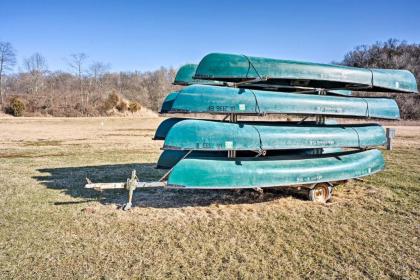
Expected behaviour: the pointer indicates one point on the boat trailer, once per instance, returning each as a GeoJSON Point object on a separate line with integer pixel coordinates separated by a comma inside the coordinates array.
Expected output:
{"type": "Point", "coordinates": [319, 192]}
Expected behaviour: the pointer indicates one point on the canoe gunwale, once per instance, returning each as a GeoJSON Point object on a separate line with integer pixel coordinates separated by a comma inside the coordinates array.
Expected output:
{"type": "Point", "coordinates": [175, 83]}
{"type": "Point", "coordinates": [174, 112]}
{"type": "Point", "coordinates": [174, 148]}
{"type": "Point", "coordinates": [247, 83]}
{"type": "Point", "coordinates": [250, 80]}
{"type": "Point", "coordinates": [290, 80]}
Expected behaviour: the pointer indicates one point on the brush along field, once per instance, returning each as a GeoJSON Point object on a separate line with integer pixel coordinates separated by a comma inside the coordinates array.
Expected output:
{"type": "Point", "coordinates": [50, 227]}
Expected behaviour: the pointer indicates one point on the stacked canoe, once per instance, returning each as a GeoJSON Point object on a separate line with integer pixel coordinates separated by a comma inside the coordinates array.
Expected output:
{"type": "Point", "coordinates": [227, 152]}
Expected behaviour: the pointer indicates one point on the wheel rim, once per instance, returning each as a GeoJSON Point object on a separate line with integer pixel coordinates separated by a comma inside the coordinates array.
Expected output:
{"type": "Point", "coordinates": [320, 193]}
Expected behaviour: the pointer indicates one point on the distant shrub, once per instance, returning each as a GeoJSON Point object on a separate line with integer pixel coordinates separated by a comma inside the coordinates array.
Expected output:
{"type": "Point", "coordinates": [112, 101]}
{"type": "Point", "coordinates": [78, 106]}
{"type": "Point", "coordinates": [134, 107]}
{"type": "Point", "coordinates": [122, 106]}
{"type": "Point", "coordinates": [16, 107]}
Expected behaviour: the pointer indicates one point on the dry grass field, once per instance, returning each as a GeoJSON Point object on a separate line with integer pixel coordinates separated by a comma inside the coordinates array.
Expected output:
{"type": "Point", "coordinates": [52, 228]}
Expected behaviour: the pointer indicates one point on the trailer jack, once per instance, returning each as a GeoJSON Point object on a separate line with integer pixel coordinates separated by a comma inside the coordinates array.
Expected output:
{"type": "Point", "coordinates": [131, 185]}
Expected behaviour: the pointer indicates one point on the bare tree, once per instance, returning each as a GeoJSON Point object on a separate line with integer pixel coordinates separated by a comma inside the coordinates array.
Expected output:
{"type": "Point", "coordinates": [36, 66]}
{"type": "Point", "coordinates": [98, 69]}
{"type": "Point", "coordinates": [392, 54]}
{"type": "Point", "coordinates": [7, 61]}
{"type": "Point", "coordinates": [76, 63]}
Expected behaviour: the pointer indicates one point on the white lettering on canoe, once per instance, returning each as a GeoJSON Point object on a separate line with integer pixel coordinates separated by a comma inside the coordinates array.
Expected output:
{"type": "Point", "coordinates": [309, 178]}
{"type": "Point", "coordinates": [229, 145]}
{"type": "Point", "coordinates": [321, 142]}
{"type": "Point", "coordinates": [362, 172]}
{"type": "Point", "coordinates": [330, 109]}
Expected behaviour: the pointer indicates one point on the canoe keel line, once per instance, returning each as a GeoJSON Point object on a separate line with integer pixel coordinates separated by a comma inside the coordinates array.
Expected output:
{"type": "Point", "coordinates": [234, 154]}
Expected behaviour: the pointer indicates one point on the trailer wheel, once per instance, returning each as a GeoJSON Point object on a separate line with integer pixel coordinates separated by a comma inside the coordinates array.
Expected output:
{"type": "Point", "coordinates": [320, 193]}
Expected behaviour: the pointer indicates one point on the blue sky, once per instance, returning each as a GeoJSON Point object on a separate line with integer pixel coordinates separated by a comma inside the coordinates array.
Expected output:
{"type": "Point", "coordinates": [144, 35]}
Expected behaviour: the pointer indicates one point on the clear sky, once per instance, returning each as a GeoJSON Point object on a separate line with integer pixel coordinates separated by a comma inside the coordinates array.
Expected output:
{"type": "Point", "coordinates": [144, 35]}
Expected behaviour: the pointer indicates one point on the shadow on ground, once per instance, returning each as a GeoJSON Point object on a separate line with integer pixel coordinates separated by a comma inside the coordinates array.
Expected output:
{"type": "Point", "coordinates": [71, 181]}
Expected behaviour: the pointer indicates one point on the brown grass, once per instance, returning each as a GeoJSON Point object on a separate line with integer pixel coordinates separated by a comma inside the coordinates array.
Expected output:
{"type": "Point", "coordinates": [50, 227]}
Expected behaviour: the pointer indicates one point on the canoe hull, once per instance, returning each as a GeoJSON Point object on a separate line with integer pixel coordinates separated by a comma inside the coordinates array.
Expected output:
{"type": "Point", "coordinates": [216, 173]}
{"type": "Point", "coordinates": [222, 136]}
{"type": "Point", "coordinates": [185, 74]}
{"type": "Point", "coordinates": [168, 103]}
{"type": "Point", "coordinates": [164, 127]}
{"type": "Point", "coordinates": [222, 100]}
{"type": "Point", "coordinates": [236, 68]}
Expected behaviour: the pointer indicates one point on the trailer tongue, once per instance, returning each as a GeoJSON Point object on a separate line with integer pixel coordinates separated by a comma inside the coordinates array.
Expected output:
{"type": "Point", "coordinates": [131, 185]}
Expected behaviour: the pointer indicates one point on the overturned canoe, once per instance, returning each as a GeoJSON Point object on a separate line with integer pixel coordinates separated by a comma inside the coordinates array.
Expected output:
{"type": "Point", "coordinates": [169, 158]}
{"type": "Point", "coordinates": [185, 74]}
{"type": "Point", "coordinates": [221, 136]}
{"type": "Point", "coordinates": [287, 73]}
{"type": "Point", "coordinates": [168, 102]}
{"type": "Point", "coordinates": [218, 173]}
{"type": "Point", "coordinates": [164, 127]}
{"type": "Point", "coordinates": [224, 100]}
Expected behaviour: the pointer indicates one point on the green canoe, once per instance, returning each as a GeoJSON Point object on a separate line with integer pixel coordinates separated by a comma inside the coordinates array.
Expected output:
{"type": "Point", "coordinates": [224, 100]}
{"type": "Point", "coordinates": [168, 102]}
{"type": "Point", "coordinates": [287, 73]}
{"type": "Point", "coordinates": [164, 127]}
{"type": "Point", "coordinates": [225, 173]}
{"type": "Point", "coordinates": [221, 136]}
{"type": "Point", "coordinates": [239, 68]}
{"type": "Point", "coordinates": [168, 158]}
{"type": "Point", "coordinates": [185, 74]}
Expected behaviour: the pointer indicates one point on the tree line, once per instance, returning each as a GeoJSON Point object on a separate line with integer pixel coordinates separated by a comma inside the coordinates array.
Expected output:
{"type": "Point", "coordinates": [89, 88]}
{"type": "Point", "coordinates": [392, 54]}
{"type": "Point", "coordinates": [86, 89]}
